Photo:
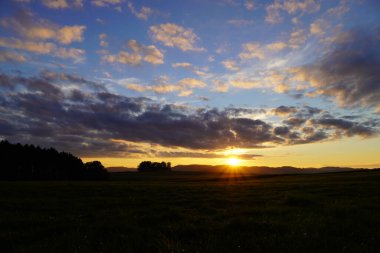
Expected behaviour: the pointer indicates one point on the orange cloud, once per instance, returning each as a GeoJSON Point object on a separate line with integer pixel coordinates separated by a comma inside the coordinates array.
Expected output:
{"type": "Point", "coordinates": [252, 50]}
{"type": "Point", "coordinates": [172, 35]}
{"type": "Point", "coordinates": [43, 48]}
{"type": "Point", "coordinates": [150, 54]}
{"type": "Point", "coordinates": [230, 65]}
{"type": "Point", "coordinates": [27, 25]}
{"type": "Point", "coordinates": [143, 13]}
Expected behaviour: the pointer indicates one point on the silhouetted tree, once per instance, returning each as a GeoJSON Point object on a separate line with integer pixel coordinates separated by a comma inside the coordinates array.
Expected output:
{"type": "Point", "coordinates": [28, 162]}
{"type": "Point", "coordinates": [148, 166]}
{"type": "Point", "coordinates": [95, 170]}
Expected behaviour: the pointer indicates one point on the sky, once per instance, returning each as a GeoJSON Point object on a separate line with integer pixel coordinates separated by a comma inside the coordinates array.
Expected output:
{"type": "Point", "coordinates": [275, 83]}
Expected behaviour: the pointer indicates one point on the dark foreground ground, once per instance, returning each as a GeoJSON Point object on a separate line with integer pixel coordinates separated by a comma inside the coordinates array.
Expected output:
{"type": "Point", "coordinates": [192, 212]}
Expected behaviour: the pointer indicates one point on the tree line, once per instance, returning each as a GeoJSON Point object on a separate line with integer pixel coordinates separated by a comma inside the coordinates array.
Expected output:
{"type": "Point", "coordinates": [148, 166]}
{"type": "Point", "coordinates": [29, 162]}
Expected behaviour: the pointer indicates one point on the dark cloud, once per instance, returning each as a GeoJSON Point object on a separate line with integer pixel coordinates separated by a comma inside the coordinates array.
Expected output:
{"type": "Point", "coordinates": [295, 121]}
{"type": "Point", "coordinates": [51, 110]}
{"type": "Point", "coordinates": [281, 131]}
{"type": "Point", "coordinates": [351, 128]}
{"type": "Point", "coordinates": [284, 110]}
{"type": "Point", "coordinates": [65, 78]}
{"type": "Point", "coordinates": [204, 155]}
{"type": "Point", "coordinates": [315, 137]}
{"type": "Point", "coordinates": [349, 71]}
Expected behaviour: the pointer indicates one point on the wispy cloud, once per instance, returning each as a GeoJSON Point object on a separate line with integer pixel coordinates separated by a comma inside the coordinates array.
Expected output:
{"type": "Point", "coordinates": [45, 48]}
{"type": "Point", "coordinates": [62, 4]}
{"type": "Point", "coordinates": [102, 3]}
{"type": "Point", "coordinates": [291, 7]}
{"type": "Point", "coordinates": [183, 87]}
{"type": "Point", "coordinates": [28, 25]}
{"type": "Point", "coordinates": [138, 53]}
{"type": "Point", "coordinates": [172, 35]}
{"type": "Point", "coordinates": [230, 65]}
{"type": "Point", "coordinates": [144, 12]}
{"type": "Point", "coordinates": [252, 50]}
{"type": "Point", "coordinates": [240, 22]}
{"type": "Point", "coordinates": [6, 56]}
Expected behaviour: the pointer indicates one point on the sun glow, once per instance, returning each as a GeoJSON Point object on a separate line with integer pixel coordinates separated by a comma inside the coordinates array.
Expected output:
{"type": "Point", "coordinates": [232, 161]}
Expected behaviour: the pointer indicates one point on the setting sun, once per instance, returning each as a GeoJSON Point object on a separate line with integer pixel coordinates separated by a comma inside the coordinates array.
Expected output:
{"type": "Point", "coordinates": [232, 161]}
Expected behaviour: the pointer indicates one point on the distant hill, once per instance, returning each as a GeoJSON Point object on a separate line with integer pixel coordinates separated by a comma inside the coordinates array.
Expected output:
{"type": "Point", "coordinates": [121, 169]}
{"type": "Point", "coordinates": [260, 170]}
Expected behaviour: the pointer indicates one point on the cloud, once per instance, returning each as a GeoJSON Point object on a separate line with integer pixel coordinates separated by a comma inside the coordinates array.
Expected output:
{"type": "Point", "coordinates": [291, 7]}
{"type": "Point", "coordinates": [348, 71]}
{"type": "Point", "coordinates": [222, 49]}
{"type": "Point", "coordinates": [220, 86]}
{"type": "Point", "coordinates": [273, 13]}
{"type": "Point", "coordinates": [139, 53]}
{"type": "Point", "coordinates": [102, 3]}
{"type": "Point", "coordinates": [43, 48]}
{"type": "Point", "coordinates": [172, 35]}
{"type": "Point", "coordinates": [185, 93]}
{"type": "Point", "coordinates": [72, 53]}
{"type": "Point", "coordinates": [282, 131]}
{"type": "Point", "coordinates": [192, 83]}
{"type": "Point", "coordinates": [183, 86]}
{"type": "Point", "coordinates": [202, 154]}
{"type": "Point", "coordinates": [284, 110]}
{"type": "Point", "coordinates": [87, 119]}
{"type": "Point", "coordinates": [182, 65]}
{"type": "Point", "coordinates": [349, 127]}
{"type": "Point", "coordinates": [245, 84]}
{"type": "Point", "coordinates": [6, 56]}
{"type": "Point", "coordinates": [249, 5]}
{"type": "Point", "coordinates": [341, 9]}
{"type": "Point", "coordinates": [137, 87]}
{"type": "Point", "coordinates": [69, 34]}
{"type": "Point", "coordinates": [34, 47]}
{"type": "Point", "coordinates": [295, 122]}
{"type": "Point", "coordinates": [277, 81]}
{"type": "Point", "coordinates": [28, 25]}
{"type": "Point", "coordinates": [57, 4]}
{"type": "Point", "coordinates": [297, 38]}
{"type": "Point", "coordinates": [252, 50]}
{"type": "Point", "coordinates": [144, 11]}
{"type": "Point", "coordinates": [62, 4]}
{"type": "Point", "coordinates": [100, 21]}
{"type": "Point", "coordinates": [294, 6]}
{"type": "Point", "coordinates": [74, 80]}
{"type": "Point", "coordinates": [230, 65]}
{"type": "Point", "coordinates": [240, 22]}
{"type": "Point", "coordinates": [319, 27]}
{"type": "Point", "coordinates": [277, 46]}
{"type": "Point", "coordinates": [199, 71]}
{"type": "Point", "coordinates": [102, 38]}
{"type": "Point", "coordinates": [160, 88]}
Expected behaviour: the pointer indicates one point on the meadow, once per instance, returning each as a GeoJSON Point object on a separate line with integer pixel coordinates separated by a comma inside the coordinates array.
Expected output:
{"type": "Point", "coordinates": [194, 212]}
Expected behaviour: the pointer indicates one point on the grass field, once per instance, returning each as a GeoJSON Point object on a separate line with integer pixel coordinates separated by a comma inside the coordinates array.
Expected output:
{"type": "Point", "coordinates": [194, 212]}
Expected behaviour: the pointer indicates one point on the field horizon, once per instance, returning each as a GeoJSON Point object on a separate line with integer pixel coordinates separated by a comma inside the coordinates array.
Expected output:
{"type": "Point", "coordinates": [225, 168]}
{"type": "Point", "coordinates": [194, 212]}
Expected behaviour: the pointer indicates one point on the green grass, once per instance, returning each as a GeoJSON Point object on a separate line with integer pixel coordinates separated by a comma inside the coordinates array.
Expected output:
{"type": "Point", "coordinates": [194, 212]}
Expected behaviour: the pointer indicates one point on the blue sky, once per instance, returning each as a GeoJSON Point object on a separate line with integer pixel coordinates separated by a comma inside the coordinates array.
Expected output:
{"type": "Point", "coordinates": [269, 60]}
